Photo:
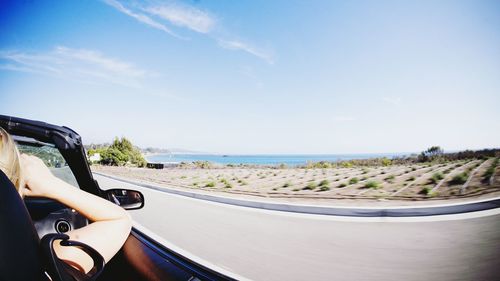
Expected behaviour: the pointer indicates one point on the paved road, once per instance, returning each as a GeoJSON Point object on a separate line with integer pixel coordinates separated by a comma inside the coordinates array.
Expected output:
{"type": "Point", "coordinates": [270, 245]}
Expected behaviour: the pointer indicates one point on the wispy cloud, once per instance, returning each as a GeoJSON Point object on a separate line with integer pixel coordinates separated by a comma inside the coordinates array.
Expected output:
{"type": "Point", "coordinates": [238, 45]}
{"type": "Point", "coordinates": [163, 15]}
{"type": "Point", "coordinates": [185, 16]}
{"type": "Point", "coordinates": [396, 101]}
{"type": "Point", "coordinates": [140, 17]}
{"type": "Point", "coordinates": [78, 64]}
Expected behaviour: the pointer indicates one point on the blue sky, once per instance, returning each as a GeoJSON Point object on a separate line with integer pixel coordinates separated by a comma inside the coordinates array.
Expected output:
{"type": "Point", "coordinates": [258, 76]}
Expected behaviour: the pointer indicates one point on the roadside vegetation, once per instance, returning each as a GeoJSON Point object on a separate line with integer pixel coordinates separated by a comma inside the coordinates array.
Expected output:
{"type": "Point", "coordinates": [353, 180]}
{"type": "Point", "coordinates": [119, 153]}
{"type": "Point", "coordinates": [460, 178]}
{"type": "Point", "coordinates": [442, 176]}
{"type": "Point", "coordinates": [372, 184]}
{"type": "Point", "coordinates": [491, 171]}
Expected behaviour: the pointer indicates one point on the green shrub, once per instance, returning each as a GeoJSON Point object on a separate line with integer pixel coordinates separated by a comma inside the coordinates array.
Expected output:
{"type": "Point", "coordinates": [287, 184]}
{"type": "Point", "coordinates": [411, 179]}
{"type": "Point", "coordinates": [372, 184]}
{"type": "Point", "coordinates": [353, 180]}
{"type": "Point", "coordinates": [114, 157]}
{"type": "Point", "coordinates": [386, 162]}
{"type": "Point", "coordinates": [425, 191]}
{"type": "Point", "coordinates": [460, 178]}
{"type": "Point", "coordinates": [228, 185]}
{"type": "Point", "coordinates": [436, 177]}
{"type": "Point", "coordinates": [310, 186]}
{"type": "Point", "coordinates": [121, 152]}
{"type": "Point", "coordinates": [202, 164]}
{"type": "Point", "coordinates": [489, 172]}
{"type": "Point", "coordinates": [324, 183]}
{"type": "Point", "coordinates": [210, 184]}
{"type": "Point", "coordinates": [324, 188]}
{"type": "Point", "coordinates": [342, 185]}
{"type": "Point", "coordinates": [346, 164]}
{"type": "Point", "coordinates": [390, 178]}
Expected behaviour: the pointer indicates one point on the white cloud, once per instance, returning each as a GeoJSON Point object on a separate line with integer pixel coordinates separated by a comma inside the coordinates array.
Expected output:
{"type": "Point", "coordinates": [140, 17]}
{"type": "Point", "coordinates": [392, 100]}
{"type": "Point", "coordinates": [161, 15]}
{"type": "Point", "coordinates": [238, 45]}
{"type": "Point", "coordinates": [78, 64]}
{"type": "Point", "coordinates": [185, 16]}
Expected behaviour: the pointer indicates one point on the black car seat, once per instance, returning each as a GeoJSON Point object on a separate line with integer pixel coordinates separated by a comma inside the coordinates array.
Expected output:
{"type": "Point", "coordinates": [19, 242]}
{"type": "Point", "coordinates": [23, 256]}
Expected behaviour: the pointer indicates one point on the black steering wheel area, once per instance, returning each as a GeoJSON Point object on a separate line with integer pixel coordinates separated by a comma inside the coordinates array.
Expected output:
{"type": "Point", "coordinates": [53, 217]}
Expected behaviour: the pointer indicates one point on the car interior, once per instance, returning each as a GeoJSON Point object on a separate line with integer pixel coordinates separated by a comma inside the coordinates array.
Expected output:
{"type": "Point", "coordinates": [29, 227]}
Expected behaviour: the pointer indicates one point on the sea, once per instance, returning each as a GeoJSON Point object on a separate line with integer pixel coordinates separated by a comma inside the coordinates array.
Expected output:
{"type": "Point", "coordinates": [289, 160]}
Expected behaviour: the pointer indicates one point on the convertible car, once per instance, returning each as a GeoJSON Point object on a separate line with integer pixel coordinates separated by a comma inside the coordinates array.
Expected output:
{"type": "Point", "coordinates": [28, 229]}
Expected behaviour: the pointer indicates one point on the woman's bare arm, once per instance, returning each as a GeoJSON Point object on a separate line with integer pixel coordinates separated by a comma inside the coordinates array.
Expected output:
{"type": "Point", "coordinates": [111, 223]}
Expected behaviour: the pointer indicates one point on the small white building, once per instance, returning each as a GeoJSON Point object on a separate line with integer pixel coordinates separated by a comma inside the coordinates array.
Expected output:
{"type": "Point", "coordinates": [96, 157]}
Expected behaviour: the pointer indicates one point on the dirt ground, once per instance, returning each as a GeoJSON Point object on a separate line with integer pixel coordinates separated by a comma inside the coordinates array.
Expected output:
{"type": "Point", "coordinates": [409, 183]}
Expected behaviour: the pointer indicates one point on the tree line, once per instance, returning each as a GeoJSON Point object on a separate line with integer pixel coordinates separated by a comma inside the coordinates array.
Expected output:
{"type": "Point", "coordinates": [119, 153]}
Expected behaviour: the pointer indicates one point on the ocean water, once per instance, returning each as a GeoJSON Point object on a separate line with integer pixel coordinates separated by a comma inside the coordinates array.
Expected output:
{"type": "Point", "coordinates": [290, 160]}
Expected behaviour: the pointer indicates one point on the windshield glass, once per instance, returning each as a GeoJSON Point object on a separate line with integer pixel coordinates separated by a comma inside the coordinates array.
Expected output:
{"type": "Point", "coordinates": [50, 156]}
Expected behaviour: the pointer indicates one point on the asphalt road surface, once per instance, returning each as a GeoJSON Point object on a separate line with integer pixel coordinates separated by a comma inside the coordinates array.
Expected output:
{"type": "Point", "coordinates": [271, 245]}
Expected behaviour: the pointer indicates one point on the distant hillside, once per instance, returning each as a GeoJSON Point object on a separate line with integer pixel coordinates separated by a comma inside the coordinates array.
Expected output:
{"type": "Point", "coordinates": [154, 150]}
{"type": "Point", "coordinates": [149, 150]}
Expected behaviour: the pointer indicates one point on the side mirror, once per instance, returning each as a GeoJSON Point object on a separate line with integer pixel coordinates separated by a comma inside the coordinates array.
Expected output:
{"type": "Point", "coordinates": [125, 198]}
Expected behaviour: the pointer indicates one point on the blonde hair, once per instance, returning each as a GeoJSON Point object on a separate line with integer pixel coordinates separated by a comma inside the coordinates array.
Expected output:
{"type": "Point", "coordinates": [10, 162]}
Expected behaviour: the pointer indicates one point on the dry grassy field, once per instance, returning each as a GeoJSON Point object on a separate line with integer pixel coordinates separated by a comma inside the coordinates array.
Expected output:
{"type": "Point", "coordinates": [426, 181]}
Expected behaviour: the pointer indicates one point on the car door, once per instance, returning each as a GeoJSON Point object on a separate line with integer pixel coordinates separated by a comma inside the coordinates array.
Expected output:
{"type": "Point", "coordinates": [141, 257]}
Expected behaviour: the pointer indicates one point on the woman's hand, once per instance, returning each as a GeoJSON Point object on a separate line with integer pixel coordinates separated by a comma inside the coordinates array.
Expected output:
{"type": "Point", "coordinates": [40, 182]}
